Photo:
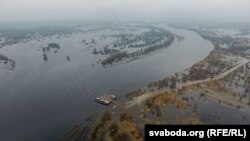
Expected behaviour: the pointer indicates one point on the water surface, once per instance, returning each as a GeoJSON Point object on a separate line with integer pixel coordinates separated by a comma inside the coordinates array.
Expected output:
{"type": "Point", "coordinates": [39, 101]}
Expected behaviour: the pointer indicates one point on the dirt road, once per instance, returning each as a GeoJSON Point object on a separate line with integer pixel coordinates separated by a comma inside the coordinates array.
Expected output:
{"type": "Point", "coordinates": [140, 99]}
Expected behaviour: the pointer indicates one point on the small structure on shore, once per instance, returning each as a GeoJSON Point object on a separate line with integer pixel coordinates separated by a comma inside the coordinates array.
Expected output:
{"type": "Point", "coordinates": [105, 99]}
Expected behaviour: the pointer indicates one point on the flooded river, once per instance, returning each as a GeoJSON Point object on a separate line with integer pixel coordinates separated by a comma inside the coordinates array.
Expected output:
{"type": "Point", "coordinates": [39, 101]}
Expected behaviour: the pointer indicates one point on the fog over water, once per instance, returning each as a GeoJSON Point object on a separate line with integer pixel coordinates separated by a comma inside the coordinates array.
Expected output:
{"type": "Point", "coordinates": [125, 10]}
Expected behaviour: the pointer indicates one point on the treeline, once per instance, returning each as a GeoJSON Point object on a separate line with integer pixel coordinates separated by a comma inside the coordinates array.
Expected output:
{"type": "Point", "coordinates": [14, 36]}
{"type": "Point", "coordinates": [148, 41]}
{"type": "Point", "coordinates": [155, 35]}
{"type": "Point", "coordinates": [125, 39]}
{"type": "Point", "coordinates": [54, 45]}
{"type": "Point", "coordinates": [3, 57]}
{"type": "Point", "coordinates": [51, 46]}
{"type": "Point", "coordinates": [216, 40]}
{"type": "Point", "coordinates": [153, 45]}
{"type": "Point", "coordinates": [168, 82]}
{"type": "Point", "coordinates": [135, 93]}
{"type": "Point", "coordinates": [119, 56]}
{"type": "Point", "coordinates": [105, 51]}
{"type": "Point", "coordinates": [48, 48]}
{"type": "Point", "coordinates": [6, 60]}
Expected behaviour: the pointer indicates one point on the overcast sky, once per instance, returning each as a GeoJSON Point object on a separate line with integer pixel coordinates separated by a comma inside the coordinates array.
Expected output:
{"type": "Point", "coordinates": [125, 10]}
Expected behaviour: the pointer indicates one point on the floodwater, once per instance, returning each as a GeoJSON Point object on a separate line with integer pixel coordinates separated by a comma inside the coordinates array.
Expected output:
{"type": "Point", "coordinates": [212, 112]}
{"type": "Point", "coordinates": [39, 101]}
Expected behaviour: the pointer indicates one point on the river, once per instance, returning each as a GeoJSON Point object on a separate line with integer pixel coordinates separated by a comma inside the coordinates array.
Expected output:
{"type": "Point", "coordinates": [39, 101]}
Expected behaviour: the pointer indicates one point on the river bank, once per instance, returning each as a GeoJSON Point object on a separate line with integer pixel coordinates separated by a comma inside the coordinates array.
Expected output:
{"type": "Point", "coordinates": [203, 101]}
{"type": "Point", "coordinates": [213, 90]}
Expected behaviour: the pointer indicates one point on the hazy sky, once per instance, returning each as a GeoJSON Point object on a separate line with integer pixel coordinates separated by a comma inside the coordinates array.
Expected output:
{"type": "Point", "coordinates": [125, 10]}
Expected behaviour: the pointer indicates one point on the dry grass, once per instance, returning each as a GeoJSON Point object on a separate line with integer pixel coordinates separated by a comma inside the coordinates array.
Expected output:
{"type": "Point", "coordinates": [163, 99]}
{"type": "Point", "coordinates": [127, 130]}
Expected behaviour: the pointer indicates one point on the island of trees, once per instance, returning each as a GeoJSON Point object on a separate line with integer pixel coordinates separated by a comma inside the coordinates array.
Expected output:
{"type": "Point", "coordinates": [4, 59]}
{"type": "Point", "coordinates": [55, 46]}
{"type": "Point", "coordinates": [141, 44]}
